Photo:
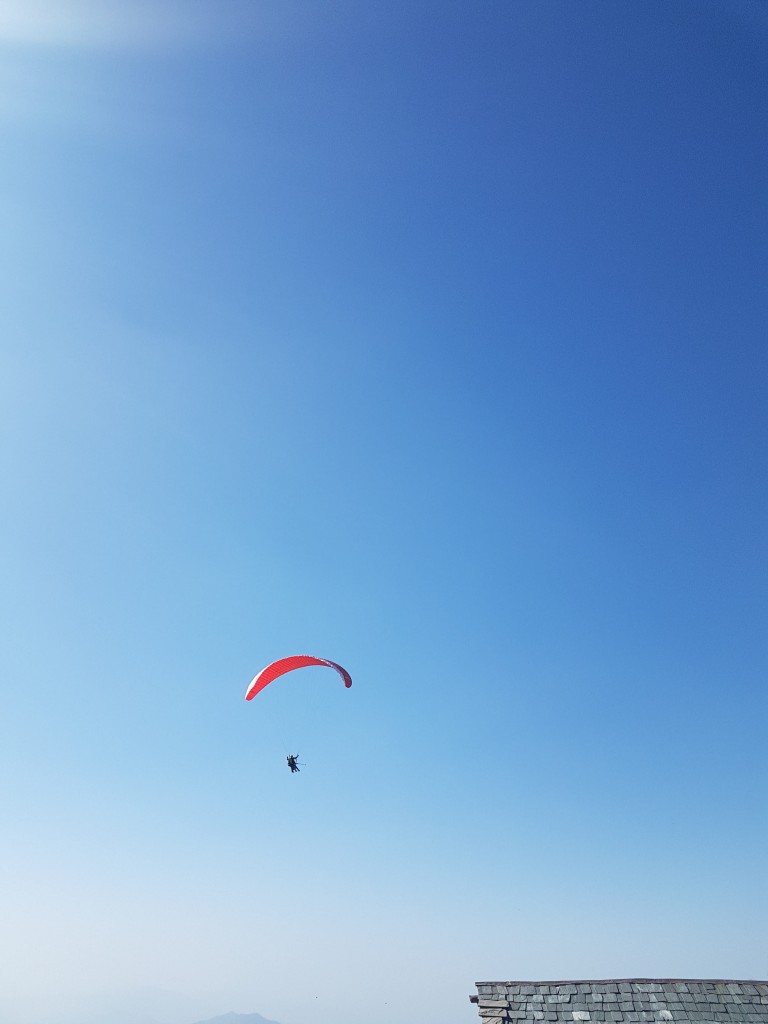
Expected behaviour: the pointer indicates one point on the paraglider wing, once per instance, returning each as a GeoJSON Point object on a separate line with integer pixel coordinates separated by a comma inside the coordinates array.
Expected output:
{"type": "Point", "coordinates": [279, 668]}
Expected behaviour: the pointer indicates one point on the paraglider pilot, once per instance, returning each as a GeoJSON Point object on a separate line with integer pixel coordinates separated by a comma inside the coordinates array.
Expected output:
{"type": "Point", "coordinates": [292, 762]}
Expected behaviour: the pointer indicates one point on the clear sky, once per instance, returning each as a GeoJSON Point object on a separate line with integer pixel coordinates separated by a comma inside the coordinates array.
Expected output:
{"type": "Point", "coordinates": [429, 337]}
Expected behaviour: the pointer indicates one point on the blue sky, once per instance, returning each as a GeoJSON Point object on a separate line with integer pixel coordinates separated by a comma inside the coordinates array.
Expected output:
{"type": "Point", "coordinates": [429, 338]}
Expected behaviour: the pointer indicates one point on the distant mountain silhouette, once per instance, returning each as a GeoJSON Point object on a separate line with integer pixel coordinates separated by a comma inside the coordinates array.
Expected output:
{"type": "Point", "coordinates": [139, 1006]}
{"type": "Point", "coordinates": [238, 1018]}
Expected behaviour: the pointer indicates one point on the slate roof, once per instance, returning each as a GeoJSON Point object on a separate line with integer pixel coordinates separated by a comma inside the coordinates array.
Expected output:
{"type": "Point", "coordinates": [623, 1001]}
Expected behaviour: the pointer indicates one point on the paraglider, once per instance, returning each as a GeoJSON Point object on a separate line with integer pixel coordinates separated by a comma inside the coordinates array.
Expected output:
{"type": "Point", "coordinates": [279, 668]}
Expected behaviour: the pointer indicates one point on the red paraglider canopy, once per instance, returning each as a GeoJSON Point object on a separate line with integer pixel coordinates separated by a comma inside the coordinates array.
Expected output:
{"type": "Point", "coordinates": [279, 668]}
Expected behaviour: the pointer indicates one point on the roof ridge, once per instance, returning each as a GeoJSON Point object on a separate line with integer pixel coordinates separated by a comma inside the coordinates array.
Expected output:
{"type": "Point", "coordinates": [603, 981]}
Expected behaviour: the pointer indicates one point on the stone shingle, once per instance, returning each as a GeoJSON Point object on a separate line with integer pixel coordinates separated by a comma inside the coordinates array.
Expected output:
{"type": "Point", "coordinates": [626, 1001]}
